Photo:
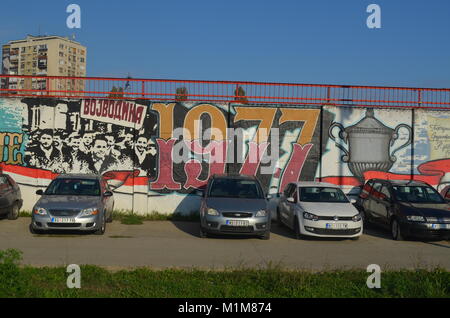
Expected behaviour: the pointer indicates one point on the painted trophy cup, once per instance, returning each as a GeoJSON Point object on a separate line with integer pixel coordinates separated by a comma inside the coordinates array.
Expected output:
{"type": "Point", "coordinates": [369, 144]}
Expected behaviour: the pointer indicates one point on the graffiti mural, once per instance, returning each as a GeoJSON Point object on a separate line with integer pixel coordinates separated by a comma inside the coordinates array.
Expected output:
{"type": "Point", "coordinates": [155, 155]}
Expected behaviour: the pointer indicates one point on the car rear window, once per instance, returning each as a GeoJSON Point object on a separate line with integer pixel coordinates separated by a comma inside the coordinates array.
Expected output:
{"type": "Point", "coordinates": [235, 188]}
{"type": "Point", "coordinates": [73, 187]}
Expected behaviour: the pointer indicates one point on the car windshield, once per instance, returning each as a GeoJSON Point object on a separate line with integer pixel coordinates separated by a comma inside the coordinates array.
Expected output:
{"type": "Point", "coordinates": [322, 194]}
{"type": "Point", "coordinates": [417, 194]}
{"type": "Point", "coordinates": [235, 188]}
{"type": "Point", "coordinates": [73, 187]}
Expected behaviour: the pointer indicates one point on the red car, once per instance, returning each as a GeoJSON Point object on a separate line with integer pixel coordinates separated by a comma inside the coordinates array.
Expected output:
{"type": "Point", "coordinates": [10, 197]}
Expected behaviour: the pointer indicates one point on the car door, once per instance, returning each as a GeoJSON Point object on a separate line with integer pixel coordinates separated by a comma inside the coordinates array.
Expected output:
{"type": "Point", "coordinates": [283, 205]}
{"type": "Point", "coordinates": [382, 204]}
{"type": "Point", "coordinates": [107, 201]}
{"type": "Point", "coordinates": [6, 192]}
{"type": "Point", "coordinates": [292, 206]}
{"type": "Point", "coordinates": [371, 201]}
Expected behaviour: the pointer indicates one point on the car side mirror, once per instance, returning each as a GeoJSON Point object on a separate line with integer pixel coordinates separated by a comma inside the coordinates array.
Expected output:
{"type": "Point", "coordinates": [352, 201]}
{"type": "Point", "coordinates": [39, 192]}
{"type": "Point", "coordinates": [108, 194]}
{"type": "Point", "coordinates": [291, 200]}
{"type": "Point", "coordinates": [198, 192]}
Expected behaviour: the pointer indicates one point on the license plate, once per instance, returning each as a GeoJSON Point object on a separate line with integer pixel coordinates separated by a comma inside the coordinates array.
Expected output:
{"type": "Point", "coordinates": [237, 222]}
{"type": "Point", "coordinates": [63, 220]}
{"type": "Point", "coordinates": [336, 226]}
{"type": "Point", "coordinates": [440, 226]}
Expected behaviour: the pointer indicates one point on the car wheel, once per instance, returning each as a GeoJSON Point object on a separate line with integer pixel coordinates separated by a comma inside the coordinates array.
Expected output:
{"type": "Point", "coordinates": [298, 234]}
{"type": "Point", "coordinates": [395, 231]}
{"type": "Point", "coordinates": [266, 236]}
{"type": "Point", "coordinates": [279, 218]}
{"type": "Point", "coordinates": [110, 217]}
{"type": "Point", "coordinates": [203, 233]}
{"type": "Point", "coordinates": [33, 230]}
{"type": "Point", "coordinates": [102, 228]}
{"type": "Point", "coordinates": [14, 212]}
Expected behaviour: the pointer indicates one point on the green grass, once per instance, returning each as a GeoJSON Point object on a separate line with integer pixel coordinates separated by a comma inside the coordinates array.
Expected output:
{"type": "Point", "coordinates": [127, 217]}
{"type": "Point", "coordinates": [17, 281]}
{"type": "Point", "coordinates": [130, 218]}
{"type": "Point", "coordinates": [25, 214]}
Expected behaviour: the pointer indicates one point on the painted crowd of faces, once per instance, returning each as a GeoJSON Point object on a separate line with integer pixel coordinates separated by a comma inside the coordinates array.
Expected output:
{"type": "Point", "coordinates": [91, 152]}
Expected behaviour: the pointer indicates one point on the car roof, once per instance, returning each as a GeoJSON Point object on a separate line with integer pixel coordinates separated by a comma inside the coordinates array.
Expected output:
{"type": "Point", "coordinates": [78, 176]}
{"type": "Point", "coordinates": [315, 184]}
{"type": "Point", "coordinates": [401, 182]}
{"type": "Point", "coordinates": [233, 176]}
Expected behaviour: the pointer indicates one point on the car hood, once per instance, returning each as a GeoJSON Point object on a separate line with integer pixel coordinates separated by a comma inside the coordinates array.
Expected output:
{"type": "Point", "coordinates": [236, 204]}
{"type": "Point", "coordinates": [438, 210]}
{"type": "Point", "coordinates": [329, 209]}
{"type": "Point", "coordinates": [68, 202]}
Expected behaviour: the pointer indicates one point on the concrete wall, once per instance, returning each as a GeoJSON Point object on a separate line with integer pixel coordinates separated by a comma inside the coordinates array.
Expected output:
{"type": "Point", "coordinates": [156, 154]}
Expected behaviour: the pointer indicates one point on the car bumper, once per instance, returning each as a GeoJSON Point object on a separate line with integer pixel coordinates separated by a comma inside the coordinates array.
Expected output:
{"type": "Point", "coordinates": [326, 228]}
{"type": "Point", "coordinates": [219, 225]}
{"type": "Point", "coordinates": [426, 230]}
{"type": "Point", "coordinates": [46, 223]}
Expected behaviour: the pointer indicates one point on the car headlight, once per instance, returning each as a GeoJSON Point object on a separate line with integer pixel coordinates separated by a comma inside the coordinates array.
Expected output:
{"type": "Point", "coordinates": [40, 211]}
{"type": "Point", "coordinates": [212, 212]}
{"type": "Point", "coordinates": [415, 218]}
{"type": "Point", "coordinates": [89, 212]}
{"type": "Point", "coordinates": [261, 213]}
{"type": "Point", "coordinates": [310, 216]}
{"type": "Point", "coordinates": [356, 218]}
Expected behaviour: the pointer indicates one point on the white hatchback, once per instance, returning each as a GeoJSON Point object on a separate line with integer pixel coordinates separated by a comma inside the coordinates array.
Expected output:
{"type": "Point", "coordinates": [318, 209]}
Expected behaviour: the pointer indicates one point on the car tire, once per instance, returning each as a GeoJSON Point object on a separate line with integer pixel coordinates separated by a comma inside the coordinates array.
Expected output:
{"type": "Point", "coordinates": [297, 233]}
{"type": "Point", "coordinates": [110, 217]}
{"type": "Point", "coordinates": [14, 211]}
{"type": "Point", "coordinates": [33, 230]}
{"type": "Point", "coordinates": [396, 231]}
{"type": "Point", "coordinates": [280, 223]}
{"type": "Point", "coordinates": [203, 233]}
{"type": "Point", "coordinates": [266, 236]}
{"type": "Point", "coordinates": [363, 215]}
{"type": "Point", "coordinates": [102, 228]}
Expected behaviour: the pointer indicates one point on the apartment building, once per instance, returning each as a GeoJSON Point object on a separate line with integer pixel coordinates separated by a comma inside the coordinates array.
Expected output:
{"type": "Point", "coordinates": [44, 56]}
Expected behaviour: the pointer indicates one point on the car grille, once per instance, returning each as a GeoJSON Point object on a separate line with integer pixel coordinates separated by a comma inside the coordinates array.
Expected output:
{"type": "Point", "coordinates": [237, 229]}
{"type": "Point", "coordinates": [335, 232]}
{"type": "Point", "coordinates": [63, 224]}
{"type": "Point", "coordinates": [438, 220]}
{"type": "Point", "coordinates": [64, 212]}
{"type": "Point", "coordinates": [339, 218]}
{"type": "Point", "coordinates": [237, 214]}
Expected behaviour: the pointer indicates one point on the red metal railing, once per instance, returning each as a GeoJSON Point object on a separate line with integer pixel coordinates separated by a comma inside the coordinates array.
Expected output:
{"type": "Point", "coordinates": [223, 91]}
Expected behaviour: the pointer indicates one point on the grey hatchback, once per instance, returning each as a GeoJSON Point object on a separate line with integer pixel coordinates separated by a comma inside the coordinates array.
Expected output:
{"type": "Point", "coordinates": [234, 205]}
{"type": "Point", "coordinates": [73, 202]}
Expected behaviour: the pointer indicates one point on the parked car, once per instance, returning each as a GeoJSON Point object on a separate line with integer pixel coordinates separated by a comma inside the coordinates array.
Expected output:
{"type": "Point", "coordinates": [10, 197]}
{"type": "Point", "coordinates": [407, 208]}
{"type": "Point", "coordinates": [234, 205]}
{"type": "Point", "coordinates": [73, 202]}
{"type": "Point", "coordinates": [446, 193]}
{"type": "Point", "coordinates": [318, 209]}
